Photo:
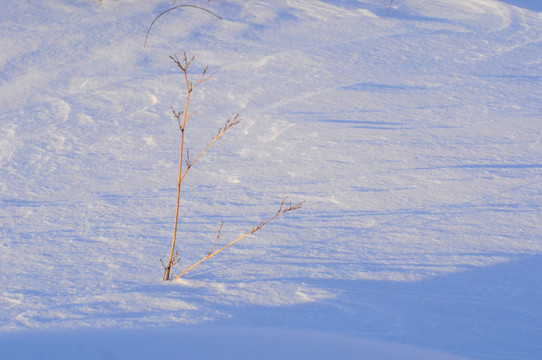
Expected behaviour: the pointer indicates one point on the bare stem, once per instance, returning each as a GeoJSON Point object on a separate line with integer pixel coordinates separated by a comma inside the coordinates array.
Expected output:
{"type": "Point", "coordinates": [183, 65]}
{"type": "Point", "coordinates": [217, 237]}
{"type": "Point", "coordinates": [280, 212]}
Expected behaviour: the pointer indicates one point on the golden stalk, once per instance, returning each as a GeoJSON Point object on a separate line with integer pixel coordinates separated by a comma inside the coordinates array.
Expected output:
{"type": "Point", "coordinates": [182, 126]}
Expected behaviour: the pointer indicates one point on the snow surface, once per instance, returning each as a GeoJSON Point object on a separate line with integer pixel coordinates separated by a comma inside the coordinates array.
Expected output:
{"type": "Point", "coordinates": [414, 138]}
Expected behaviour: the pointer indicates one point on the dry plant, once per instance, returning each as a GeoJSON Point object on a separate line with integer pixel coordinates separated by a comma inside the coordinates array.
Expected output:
{"type": "Point", "coordinates": [185, 164]}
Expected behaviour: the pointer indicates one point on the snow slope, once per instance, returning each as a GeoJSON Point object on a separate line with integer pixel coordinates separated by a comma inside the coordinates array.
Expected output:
{"type": "Point", "coordinates": [414, 138]}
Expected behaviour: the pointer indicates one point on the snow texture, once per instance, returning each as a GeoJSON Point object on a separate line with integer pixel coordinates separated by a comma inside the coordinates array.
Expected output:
{"type": "Point", "coordinates": [414, 139]}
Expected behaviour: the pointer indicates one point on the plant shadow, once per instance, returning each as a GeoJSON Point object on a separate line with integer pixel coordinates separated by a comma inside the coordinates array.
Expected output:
{"type": "Point", "coordinates": [490, 312]}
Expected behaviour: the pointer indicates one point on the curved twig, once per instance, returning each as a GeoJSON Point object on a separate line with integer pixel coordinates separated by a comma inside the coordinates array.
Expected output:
{"type": "Point", "coordinates": [173, 8]}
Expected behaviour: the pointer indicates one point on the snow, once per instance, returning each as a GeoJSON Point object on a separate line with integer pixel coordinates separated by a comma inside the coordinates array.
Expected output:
{"type": "Point", "coordinates": [414, 139]}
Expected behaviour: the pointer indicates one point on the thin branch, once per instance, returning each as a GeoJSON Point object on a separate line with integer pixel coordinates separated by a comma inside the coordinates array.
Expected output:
{"type": "Point", "coordinates": [216, 239]}
{"type": "Point", "coordinates": [280, 212]}
{"type": "Point", "coordinates": [221, 132]}
{"type": "Point", "coordinates": [177, 116]}
{"type": "Point", "coordinates": [188, 163]}
{"type": "Point", "coordinates": [203, 78]}
{"type": "Point", "coordinates": [389, 6]}
{"type": "Point", "coordinates": [173, 8]}
{"type": "Point", "coordinates": [185, 60]}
